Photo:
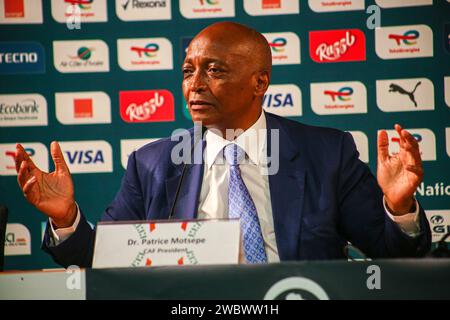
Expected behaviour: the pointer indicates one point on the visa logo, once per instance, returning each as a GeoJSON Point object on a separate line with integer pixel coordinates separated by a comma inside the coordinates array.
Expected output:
{"type": "Point", "coordinates": [278, 100]}
{"type": "Point", "coordinates": [85, 157]}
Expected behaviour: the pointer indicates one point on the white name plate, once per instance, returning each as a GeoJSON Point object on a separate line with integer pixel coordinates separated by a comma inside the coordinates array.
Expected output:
{"type": "Point", "coordinates": [166, 243]}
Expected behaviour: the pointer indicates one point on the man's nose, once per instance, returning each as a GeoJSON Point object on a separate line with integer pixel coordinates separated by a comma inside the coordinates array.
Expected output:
{"type": "Point", "coordinates": [198, 83]}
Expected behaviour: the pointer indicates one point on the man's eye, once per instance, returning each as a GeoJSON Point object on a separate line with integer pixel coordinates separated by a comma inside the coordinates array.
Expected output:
{"type": "Point", "coordinates": [214, 70]}
{"type": "Point", "coordinates": [187, 72]}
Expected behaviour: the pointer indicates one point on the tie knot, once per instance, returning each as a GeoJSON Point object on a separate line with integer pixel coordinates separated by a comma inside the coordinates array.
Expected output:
{"type": "Point", "coordinates": [233, 154]}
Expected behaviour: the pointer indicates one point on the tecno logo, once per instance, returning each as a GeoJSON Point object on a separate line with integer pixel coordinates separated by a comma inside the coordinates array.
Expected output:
{"type": "Point", "coordinates": [137, 10]}
{"type": "Point", "coordinates": [425, 138]}
{"type": "Point", "coordinates": [89, 10]}
{"type": "Point", "coordinates": [88, 156]}
{"type": "Point", "coordinates": [19, 110]}
{"type": "Point", "coordinates": [147, 106]}
{"type": "Point", "coordinates": [21, 57]}
{"type": "Point", "coordinates": [399, 42]}
{"type": "Point", "coordinates": [37, 151]}
{"type": "Point", "coordinates": [284, 100]}
{"type": "Point", "coordinates": [285, 47]}
{"type": "Point", "coordinates": [127, 146]}
{"type": "Point", "coordinates": [197, 9]}
{"type": "Point", "coordinates": [332, 6]}
{"type": "Point", "coordinates": [145, 54]}
{"type": "Point", "coordinates": [339, 97]}
{"type": "Point", "coordinates": [81, 56]}
{"type": "Point", "coordinates": [398, 95]}
{"type": "Point", "coordinates": [271, 7]}
{"type": "Point", "coordinates": [21, 12]}
{"type": "Point", "coordinates": [337, 45]}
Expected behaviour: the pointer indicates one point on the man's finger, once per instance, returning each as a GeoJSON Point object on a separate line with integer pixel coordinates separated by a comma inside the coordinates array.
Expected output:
{"type": "Point", "coordinates": [22, 155]}
{"type": "Point", "coordinates": [383, 145]}
{"type": "Point", "coordinates": [29, 185]}
{"type": "Point", "coordinates": [418, 170]}
{"type": "Point", "coordinates": [399, 129]}
{"type": "Point", "coordinates": [23, 175]}
{"type": "Point", "coordinates": [58, 158]}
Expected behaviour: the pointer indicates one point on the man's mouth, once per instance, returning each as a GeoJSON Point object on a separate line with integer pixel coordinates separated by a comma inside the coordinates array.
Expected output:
{"type": "Point", "coordinates": [198, 105]}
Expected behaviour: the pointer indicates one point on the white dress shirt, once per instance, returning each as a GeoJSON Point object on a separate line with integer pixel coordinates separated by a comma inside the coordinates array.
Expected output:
{"type": "Point", "coordinates": [213, 202]}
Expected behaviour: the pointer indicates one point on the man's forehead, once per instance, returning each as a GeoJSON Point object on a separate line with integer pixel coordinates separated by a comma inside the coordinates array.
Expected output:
{"type": "Point", "coordinates": [216, 49]}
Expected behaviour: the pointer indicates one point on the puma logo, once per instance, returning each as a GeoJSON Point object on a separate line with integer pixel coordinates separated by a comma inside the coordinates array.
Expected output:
{"type": "Point", "coordinates": [125, 5]}
{"type": "Point", "coordinates": [396, 88]}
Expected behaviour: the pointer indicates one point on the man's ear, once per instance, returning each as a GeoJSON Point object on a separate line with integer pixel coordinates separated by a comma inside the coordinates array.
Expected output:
{"type": "Point", "coordinates": [262, 83]}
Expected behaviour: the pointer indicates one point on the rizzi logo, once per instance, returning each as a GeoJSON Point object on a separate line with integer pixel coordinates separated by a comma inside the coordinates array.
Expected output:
{"type": "Point", "coordinates": [81, 56]}
{"type": "Point", "coordinates": [145, 54]}
{"type": "Point", "coordinates": [17, 240]}
{"type": "Point", "coordinates": [362, 145]}
{"type": "Point", "coordinates": [285, 47]}
{"type": "Point", "coordinates": [271, 7]}
{"type": "Point", "coordinates": [90, 10]}
{"type": "Point", "coordinates": [425, 138]}
{"type": "Point", "coordinates": [447, 91]}
{"type": "Point", "coordinates": [439, 223]}
{"type": "Point", "coordinates": [331, 5]}
{"type": "Point", "coordinates": [21, 57]}
{"type": "Point", "coordinates": [139, 10]}
{"type": "Point", "coordinates": [339, 97]}
{"type": "Point", "coordinates": [127, 146]}
{"type": "Point", "coordinates": [284, 100]}
{"type": "Point", "coordinates": [83, 107]}
{"type": "Point", "coordinates": [37, 151]}
{"type": "Point", "coordinates": [413, 41]}
{"type": "Point", "coordinates": [20, 110]}
{"type": "Point", "coordinates": [403, 3]}
{"type": "Point", "coordinates": [397, 95]}
{"type": "Point", "coordinates": [337, 45]}
{"type": "Point", "coordinates": [147, 106]}
{"type": "Point", "coordinates": [87, 156]}
{"type": "Point", "coordinates": [197, 9]}
{"type": "Point", "coordinates": [21, 12]}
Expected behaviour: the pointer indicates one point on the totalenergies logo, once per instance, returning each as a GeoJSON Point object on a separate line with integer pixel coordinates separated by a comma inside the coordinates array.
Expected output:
{"type": "Point", "coordinates": [278, 45]}
{"type": "Point", "coordinates": [83, 53]}
{"type": "Point", "coordinates": [210, 2]}
{"type": "Point", "coordinates": [343, 94]}
{"type": "Point", "coordinates": [149, 50]}
{"type": "Point", "coordinates": [83, 4]}
{"type": "Point", "coordinates": [12, 155]}
{"type": "Point", "coordinates": [407, 38]}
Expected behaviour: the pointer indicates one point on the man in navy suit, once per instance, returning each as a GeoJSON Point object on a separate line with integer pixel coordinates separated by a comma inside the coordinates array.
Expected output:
{"type": "Point", "coordinates": [317, 197]}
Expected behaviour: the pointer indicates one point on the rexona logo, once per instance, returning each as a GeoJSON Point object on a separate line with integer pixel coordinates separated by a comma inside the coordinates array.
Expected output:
{"type": "Point", "coordinates": [21, 57]}
{"type": "Point", "coordinates": [338, 97]}
{"type": "Point", "coordinates": [90, 10]}
{"type": "Point", "coordinates": [37, 151]}
{"type": "Point", "coordinates": [439, 224]}
{"type": "Point", "coordinates": [447, 91]}
{"type": "Point", "coordinates": [285, 47]}
{"type": "Point", "coordinates": [425, 138]}
{"type": "Point", "coordinates": [147, 106]}
{"type": "Point", "coordinates": [83, 107]}
{"type": "Point", "coordinates": [337, 45]}
{"type": "Point", "coordinates": [197, 9]}
{"type": "Point", "coordinates": [127, 146]}
{"type": "Point", "coordinates": [271, 7]}
{"type": "Point", "coordinates": [284, 100]}
{"type": "Point", "coordinates": [362, 145]}
{"type": "Point", "coordinates": [331, 5]}
{"type": "Point", "coordinates": [17, 240]}
{"type": "Point", "coordinates": [21, 12]}
{"type": "Point", "coordinates": [20, 110]}
{"type": "Point", "coordinates": [396, 95]}
{"type": "Point", "coordinates": [413, 41]}
{"type": "Point", "coordinates": [81, 56]}
{"type": "Point", "coordinates": [403, 3]}
{"type": "Point", "coordinates": [145, 54]}
{"type": "Point", "coordinates": [139, 10]}
{"type": "Point", "coordinates": [87, 156]}
{"type": "Point", "coordinates": [447, 140]}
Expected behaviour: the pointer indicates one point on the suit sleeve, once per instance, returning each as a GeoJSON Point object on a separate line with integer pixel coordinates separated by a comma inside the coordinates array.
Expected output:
{"type": "Point", "coordinates": [362, 218]}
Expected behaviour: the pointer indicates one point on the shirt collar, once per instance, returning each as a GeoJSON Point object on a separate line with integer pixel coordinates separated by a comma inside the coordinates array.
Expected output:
{"type": "Point", "coordinates": [252, 141]}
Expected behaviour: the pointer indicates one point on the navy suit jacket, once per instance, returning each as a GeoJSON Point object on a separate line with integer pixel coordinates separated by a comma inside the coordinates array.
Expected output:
{"type": "Point", "coordinates": [322, 197]}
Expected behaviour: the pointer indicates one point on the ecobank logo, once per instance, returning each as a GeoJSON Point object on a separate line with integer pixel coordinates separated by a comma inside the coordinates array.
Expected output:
{"type": "Point", "coordinates": [285, 47]}
{"type": "Point", "coordinates": [20, 110]}
{"type": "Point", "coordinates": [398, 95]}
{"type": "Point", "coordinates": [198, 9]}
{"type": "Point", "coordinates": [145, 54]}
{"type": "Point", "coordinates": [331, 5]}
{"type": "Point", "coordinates": [271, 7]}
{"type": "Point", "coordinates": [425, 138]}
{"type": "Point", "coordinates": [400, 42]}
{"type": "Point", "coordinates": [37, 151]}
{"type": "Point", "coordinates": [284, 100]}
{"type": "Point", "coordinates": [139, 10]}
{"type": "Point", "coordinates": [90, 10]}
{"type": "Point", "coordinates": [21, 12]}
{"type": "Point", "coordinates": [17, 240]}
{"type": "Point", "coordinates": [127, 146]}
{"type": "Point", "coordinates": [81, 56]}
{"type": "Point", "coordinates": [21, 57]}
{"type": "Point", "coordinates": [339, 97]}
{"type": "Point", "coordinates": [87, 156]}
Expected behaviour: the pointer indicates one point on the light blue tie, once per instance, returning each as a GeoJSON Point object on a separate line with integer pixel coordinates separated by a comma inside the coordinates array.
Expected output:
{"type": "Point", "coordinates": [241, 205]}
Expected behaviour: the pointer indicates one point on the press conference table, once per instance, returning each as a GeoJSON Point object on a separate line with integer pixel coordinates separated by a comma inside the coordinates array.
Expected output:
{"type": "Point", "coordinates": [378, 279]}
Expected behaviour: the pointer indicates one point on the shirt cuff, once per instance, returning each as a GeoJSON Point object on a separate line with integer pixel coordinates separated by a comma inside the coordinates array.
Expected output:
{"type": "Point", "coordinates": [408, 223]}
{"type": "Point", "coordinates": [62, 234]}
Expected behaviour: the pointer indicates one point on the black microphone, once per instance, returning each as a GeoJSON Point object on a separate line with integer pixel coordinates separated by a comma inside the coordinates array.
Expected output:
{"type": "Point", "coordinates": [183, 172]}
{"type": "Point", "coordinates": [3, 221]}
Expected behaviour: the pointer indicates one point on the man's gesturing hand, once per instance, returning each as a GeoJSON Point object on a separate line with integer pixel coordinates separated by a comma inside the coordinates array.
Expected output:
{"type": "Point", "coordinates": [51, 193]}
{"type": "Point", "coordinates": [400, 174]}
